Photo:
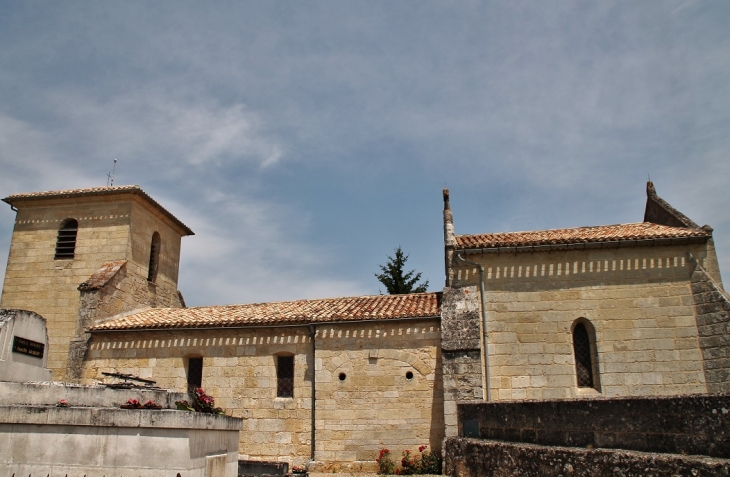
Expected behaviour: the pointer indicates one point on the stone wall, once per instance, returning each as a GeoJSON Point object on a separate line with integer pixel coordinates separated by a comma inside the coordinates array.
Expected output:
{"type": "Point", "coordinates": [638, 299]}
{"type": "Point", "coordinates": [35, 281]}
{"type": "Point", "coordinates": [476, 458]}
{"type": "Point", "coordinates": [125, 291]}
{"type": "Point", "coordinates": [682, 425]}
{"type": "Point", "coordinates": [713, 323]}
{"type": "Point", "coordinates": [239, 371]}
{"type": "Point", "coordinates": [145, 220]}
{"type": "Point", "coordinates": [378, 385]}
{"type": "Point", "coordinates": [375, 405]}
{"type": "Point", "coordinates": [650, 436]}
{"type": "Point", "coordinates": [461, 351]}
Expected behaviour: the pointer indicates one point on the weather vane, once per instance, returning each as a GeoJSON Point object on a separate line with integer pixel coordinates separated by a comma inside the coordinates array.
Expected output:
{"type": "Point", "coordinates": [110, 176]}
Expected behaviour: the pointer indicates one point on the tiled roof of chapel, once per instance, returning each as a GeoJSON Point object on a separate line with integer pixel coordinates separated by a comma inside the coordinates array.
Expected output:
{"type": "Point", "coordinates": [601, 233]}
{"type": "Point", "coordinates": [96, 191]}
{"type": "Point", "coordinates": [286, 313]}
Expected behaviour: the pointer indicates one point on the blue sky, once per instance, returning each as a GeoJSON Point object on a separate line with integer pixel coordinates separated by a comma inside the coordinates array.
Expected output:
{"type": "Point", "coordinates": [304, 141]}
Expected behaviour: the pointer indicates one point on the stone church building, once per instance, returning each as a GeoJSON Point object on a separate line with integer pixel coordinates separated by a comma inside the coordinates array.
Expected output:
{"type": "Point", "coordinates": [632, 309]}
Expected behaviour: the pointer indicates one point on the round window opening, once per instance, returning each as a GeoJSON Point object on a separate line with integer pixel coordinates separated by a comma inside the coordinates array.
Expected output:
{"type": "Point", "coordinates": [342, 376]}
{"type": "Point", "coordinates": [409, 375]}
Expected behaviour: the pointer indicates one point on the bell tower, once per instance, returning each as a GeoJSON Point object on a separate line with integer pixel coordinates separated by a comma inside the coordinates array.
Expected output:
{"type": "Point", "coordinates": [81, 255]}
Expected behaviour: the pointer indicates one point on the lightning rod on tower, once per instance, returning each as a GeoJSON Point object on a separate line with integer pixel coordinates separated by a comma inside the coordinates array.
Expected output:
{"type": "Point", "coordinates": [110, 176]}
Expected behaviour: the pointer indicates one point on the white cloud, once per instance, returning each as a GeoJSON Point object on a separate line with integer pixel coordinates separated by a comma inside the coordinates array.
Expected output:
{"type": "Point", "coordinates": [169, 131]}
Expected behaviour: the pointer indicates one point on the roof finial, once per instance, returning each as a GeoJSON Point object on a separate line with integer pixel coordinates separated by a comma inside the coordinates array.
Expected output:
{"type": "Point", "coordinates": [650, 190]}
{"type": "Point", "coordinates": [449, 239]}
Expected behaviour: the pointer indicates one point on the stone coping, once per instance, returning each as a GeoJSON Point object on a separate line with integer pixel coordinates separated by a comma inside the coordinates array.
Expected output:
{"type": "Point", "coordinates": [109, 417]}
{"type": "Point", "coordinates": [469, 457]}
{"type": "Point", "coordinates": [49, 393]}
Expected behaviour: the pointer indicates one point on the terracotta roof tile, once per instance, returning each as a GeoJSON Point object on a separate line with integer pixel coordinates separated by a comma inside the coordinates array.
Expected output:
{"type": "Point", "coordinates": [96, 191]}
{"type": "Point", "coordinates": [602, 233]}
{"type": "Point", "coordinates": [359, 308]}
{"type": "Point", "coordinates": [102, 276]}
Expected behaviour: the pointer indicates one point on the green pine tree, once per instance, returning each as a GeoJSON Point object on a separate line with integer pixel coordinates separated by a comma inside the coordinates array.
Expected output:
{"type": "Point", "coordinates": [395, 280]}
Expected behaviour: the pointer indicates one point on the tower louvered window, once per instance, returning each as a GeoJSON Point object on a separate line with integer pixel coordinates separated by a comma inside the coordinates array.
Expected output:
{"type": "Point", "coordinates": [66, 241]}
{"type": "Point", "coordinates": [583, 356]}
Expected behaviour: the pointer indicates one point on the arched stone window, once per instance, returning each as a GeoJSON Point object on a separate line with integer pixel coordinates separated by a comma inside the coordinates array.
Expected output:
{"type": "Point", "coordinates": [154, 258]}
{"type": "Point", "coordinates": [66, 241]}
{"type": "Point", "coordinates": [586, 356]}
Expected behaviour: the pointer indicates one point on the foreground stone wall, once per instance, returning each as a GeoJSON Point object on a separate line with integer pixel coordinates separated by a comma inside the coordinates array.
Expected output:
{"type": "Point", "coordinates": [477, 458]}
{"type": "Point", "coordinates": [638, 299]}
{"type": "Point", "coordinates": [376, 405]}
{"type": "Point", "coordinates": [649, 436]}
{"type": "Point", "coordinates": [682, 425]}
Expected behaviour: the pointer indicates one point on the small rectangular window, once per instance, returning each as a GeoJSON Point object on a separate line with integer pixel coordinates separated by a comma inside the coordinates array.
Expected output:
{"type": "Point", "coordinates": [285, 376]}
{"type": "Point", "coordinates": [195, 373]}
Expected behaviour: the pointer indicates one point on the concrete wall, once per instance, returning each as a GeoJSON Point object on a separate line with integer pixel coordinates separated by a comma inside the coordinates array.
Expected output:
{"type": "Point", "coordinates": [110, 228]}
{"type": "Point", "coordinates": [374, 406]}
{"type": "Point", "coordinates": [18, 366]}
{"type": "Point", "coordinates": [41, 440]}
{"type": "Point", "coordinates": [639, 300]}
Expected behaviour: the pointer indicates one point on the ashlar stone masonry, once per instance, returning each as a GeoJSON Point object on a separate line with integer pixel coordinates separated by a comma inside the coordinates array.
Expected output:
{"type": "Point", "coordinates": [635, 309]}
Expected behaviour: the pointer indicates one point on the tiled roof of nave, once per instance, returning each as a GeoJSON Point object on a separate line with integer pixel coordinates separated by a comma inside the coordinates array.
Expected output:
{"type": "Point", "coordinates": [299, 312]}
{"type": "Point", "coordinates": [601, 233]}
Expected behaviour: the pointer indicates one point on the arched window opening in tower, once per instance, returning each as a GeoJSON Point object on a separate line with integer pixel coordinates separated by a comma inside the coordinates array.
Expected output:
{"type": "Point", "coordinates": [154, 258]}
